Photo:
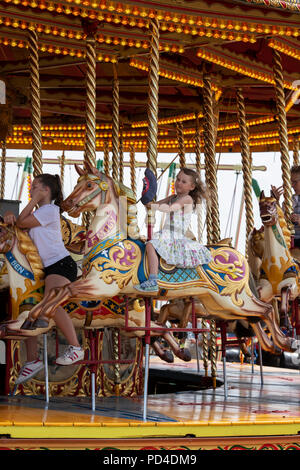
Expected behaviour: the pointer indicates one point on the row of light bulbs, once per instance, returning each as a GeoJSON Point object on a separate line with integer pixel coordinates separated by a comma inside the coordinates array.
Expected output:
{"type": "Point", "coordinates": [139, 146]}
{"type": "Point", "coordinates": [78, 139]}
{"type": "Point", "coordinates": [95, 10]}
{"type": "Point", "coordinates": [234, 65]}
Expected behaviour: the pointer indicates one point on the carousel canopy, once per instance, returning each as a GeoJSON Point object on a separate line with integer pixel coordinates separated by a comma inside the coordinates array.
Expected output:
{"type": "Point", "coordinates": [233, 41]}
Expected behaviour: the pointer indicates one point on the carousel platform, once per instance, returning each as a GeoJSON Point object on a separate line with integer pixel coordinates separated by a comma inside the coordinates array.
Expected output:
{"type": "Point", "coordinates": [253, 416]}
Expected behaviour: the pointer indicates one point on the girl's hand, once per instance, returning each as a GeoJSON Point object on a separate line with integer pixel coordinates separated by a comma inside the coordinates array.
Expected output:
{"type": "Point", "coordinates": [152, 205]}
{"type": "Point", "coordinates": [9, 218]}
{"type": "Point", "coordinates": [38, 195]}
{"type": "Point", "coordinates": [277, 191]}
{"type": "Point", "coordinates": [295, 218]}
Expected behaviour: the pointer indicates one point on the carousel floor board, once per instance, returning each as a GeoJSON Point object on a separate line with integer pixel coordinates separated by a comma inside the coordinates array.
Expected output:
{"type": "Point", "coordinates": [268, 412]}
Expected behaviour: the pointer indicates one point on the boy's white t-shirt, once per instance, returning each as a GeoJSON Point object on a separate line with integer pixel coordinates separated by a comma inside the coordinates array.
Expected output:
{"type": "Point", "coordinates": [47, 237]}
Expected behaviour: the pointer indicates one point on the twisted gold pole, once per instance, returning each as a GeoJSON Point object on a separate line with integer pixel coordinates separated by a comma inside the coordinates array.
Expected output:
{"type": "Point", "coordinates": [115, 125]}
{"type": "Point", "coordinates": [62, 169]}
{"type": "Point", "coordinates": [3, 170]}
{"type": "Point", "coordinates": [200, 236]}
{"type": "Point", "coordinates": [283, 136]}
{"type": "Point", "coordinates": [132, 169]}
{"type": "Point", "coordinates": [212, 217]}
{"type": "Point", "coordinates": [213, 223]}
{"type": "Point", "coordinates": [116, 357]}
{"type": "Point", "coordinates": [246, 163]}
{"type": "Point", "coordinates": [152, 138]}
{"type": "Point", "coordinates": [90, 115]}
{"type": "Point", "coordinates": [153, 97]}
{"type": "Point", "coordinates": [90, 132]}
{"type": "Point", "coordinates": [181, 146]}
{"type": "Point", "coordinates": [205, 347]}
{"type": "Point", "coordinates": [35, 102]}
{"type": "Point", "coordinates": [106, 157]}
{"type": "Point", "coordinates": [121, 153]}
{"type": "Point", "coordinates": [198, 169]}
{"type": "Point", "coordinates": [296, 150]}
{"type": "Point", "coordinates": [198, 146]}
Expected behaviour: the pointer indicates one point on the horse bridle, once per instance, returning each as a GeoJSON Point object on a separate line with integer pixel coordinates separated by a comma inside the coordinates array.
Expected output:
{"type": "Point", "coordinates": [102, 188]}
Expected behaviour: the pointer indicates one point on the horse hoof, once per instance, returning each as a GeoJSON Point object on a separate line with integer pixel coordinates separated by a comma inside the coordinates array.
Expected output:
{"type": "Point", "coordinates": [185, 355]}
{"type": "Point", "coordinates": [167, 356]}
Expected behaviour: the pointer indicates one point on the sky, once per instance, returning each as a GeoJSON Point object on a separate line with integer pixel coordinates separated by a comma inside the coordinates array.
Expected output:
{"type": "Point", "coordinates": [230, 185]}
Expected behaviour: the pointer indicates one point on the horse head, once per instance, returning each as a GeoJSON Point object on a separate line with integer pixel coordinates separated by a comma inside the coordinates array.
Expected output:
{"type": "Point", "coordinates": [268, 210]}
{"type": "Point", "coordinates": [93, 189]}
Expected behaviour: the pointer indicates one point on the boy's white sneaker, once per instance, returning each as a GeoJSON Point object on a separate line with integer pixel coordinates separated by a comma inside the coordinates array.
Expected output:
{"type": "Point", "coordinates": [71, 355]}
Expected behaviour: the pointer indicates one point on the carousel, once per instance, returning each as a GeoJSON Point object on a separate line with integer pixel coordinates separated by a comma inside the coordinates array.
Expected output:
{"type": "Point", "coordinates": [106, 79]}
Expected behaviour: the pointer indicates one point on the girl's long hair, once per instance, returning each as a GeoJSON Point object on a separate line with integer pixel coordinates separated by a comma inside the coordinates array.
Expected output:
{"type": "Point", "coordinates": [53, 182]}
{"type": "Point", "coordinates": [200, 192]}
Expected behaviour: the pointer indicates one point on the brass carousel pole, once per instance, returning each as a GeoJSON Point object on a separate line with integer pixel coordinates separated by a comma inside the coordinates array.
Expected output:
{"type": "Point", "coordinates": [115, 126]}
{"type": "Point", "coordinates": [121, 156]}
{"type": "Point", "coordinates": [212, 216]}
{"type": "Point", "coordinates": [132, 169]}
{"type": "Point", "coordinates": [62, 169]}
{"type": "Point", "coordinates": [115, 175]}
{"type": "Point", "coordinates": [3, 169]}
{"type": "Point", "coordinates": [37, 143]}
{"type": "Point", "coordinates": [198, 169]}
{"type": "Point", "coordinates": [153, 97]}
{"type": "Point", "coordinates": [152, 141]}
{"type": "Point", "coordinates": [246, 163]}
{"type": "Point", "coordinates": [296, 150]}
{"type": "Point", "coordinates": [89, 159]}
{"type": "Point", "coordinates": [283, 136]}
{"type": "Point", "coordinates": [106, 158]}
{"type": "Point", "coordinates": [181, 150]}
{"type": "Point", "coordinates": [200, 230]}
{"type": "Point", "coordinates": [35, 102]}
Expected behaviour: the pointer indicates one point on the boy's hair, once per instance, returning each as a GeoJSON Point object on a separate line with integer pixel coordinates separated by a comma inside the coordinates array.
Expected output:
{"type": "Point", "coordinates": [54, 184]}
{"type": "Point", "coordinates": [295, 169]}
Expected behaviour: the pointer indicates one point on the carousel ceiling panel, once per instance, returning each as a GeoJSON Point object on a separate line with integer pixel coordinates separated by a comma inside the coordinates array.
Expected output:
{"type": "Point", "coordinates": [237, 34]}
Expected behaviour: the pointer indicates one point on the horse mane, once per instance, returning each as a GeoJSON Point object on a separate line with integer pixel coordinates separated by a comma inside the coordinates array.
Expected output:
{"type": "Point", "coordinates": [284, 227]}
{"type": "Point", "coordinates": [28, 248]}
{"type": "Point", "coordinates": [132, 219]}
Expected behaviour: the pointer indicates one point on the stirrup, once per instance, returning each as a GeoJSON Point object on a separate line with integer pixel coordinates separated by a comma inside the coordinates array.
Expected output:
{"type": "Point", "coordinates": [149, 287]}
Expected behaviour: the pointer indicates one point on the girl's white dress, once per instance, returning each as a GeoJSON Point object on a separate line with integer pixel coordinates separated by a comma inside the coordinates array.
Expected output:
{"type": "Point", "coordinates": [174, 247]}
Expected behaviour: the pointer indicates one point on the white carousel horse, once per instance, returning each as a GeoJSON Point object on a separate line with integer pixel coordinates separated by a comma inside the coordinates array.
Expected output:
{"type": "Point", "coordinates": [26, 285]}
{"type": "Point", "coordinates": [279, 276]}
{"type": "Point", "coordinates": [113, 264]}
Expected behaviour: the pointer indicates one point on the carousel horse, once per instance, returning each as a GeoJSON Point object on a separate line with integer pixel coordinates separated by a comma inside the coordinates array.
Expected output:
{"type": "Point", "coordinates": [279, 272]}
{"type": "Point", "coordinates": [25, 273]}
{"type": "Point", "coordinates": [114, 264]}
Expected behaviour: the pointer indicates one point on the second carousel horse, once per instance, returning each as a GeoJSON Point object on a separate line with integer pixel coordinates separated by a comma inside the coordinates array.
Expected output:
{"type": "Point", "coordinates": [279, 272]}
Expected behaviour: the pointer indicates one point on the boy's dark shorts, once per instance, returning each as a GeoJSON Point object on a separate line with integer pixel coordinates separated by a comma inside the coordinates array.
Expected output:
{"type": "Point", "coordinates": [65, 267]}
